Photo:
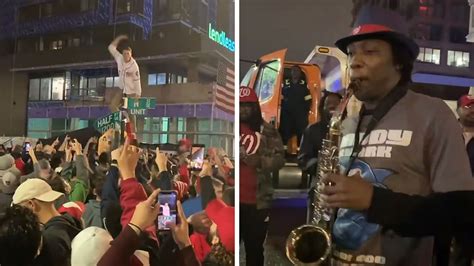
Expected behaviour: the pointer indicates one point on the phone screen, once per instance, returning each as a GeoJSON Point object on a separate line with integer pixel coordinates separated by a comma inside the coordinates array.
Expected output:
{"type": "Point", "coordinates": [27, 146]}
{"type": "Point", "coordinates": [168, 209]}
{"type": "Point", "coordinates": [197, 157]}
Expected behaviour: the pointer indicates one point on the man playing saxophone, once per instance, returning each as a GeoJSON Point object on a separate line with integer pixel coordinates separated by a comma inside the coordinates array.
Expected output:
{"type": "Point", "coordinates": [401, 140]}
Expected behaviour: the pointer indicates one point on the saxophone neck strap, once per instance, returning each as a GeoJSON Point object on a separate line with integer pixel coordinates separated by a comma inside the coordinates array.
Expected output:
{"type": "Point", "coordinates": [379, 112]}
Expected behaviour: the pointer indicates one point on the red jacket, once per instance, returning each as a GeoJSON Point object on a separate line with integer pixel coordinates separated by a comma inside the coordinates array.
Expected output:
{"type": "Point", "coordinates": [184, 174]}
{"type": "Point", "coordinates": [132, 193]}
{"type": "Point", "coordinates": [20, 165]}
{"type": "Point", "coordinates": [200, 246]}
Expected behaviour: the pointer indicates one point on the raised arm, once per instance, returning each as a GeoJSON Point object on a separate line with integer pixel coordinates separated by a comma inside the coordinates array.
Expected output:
{"type": "Point", "coordinates": [113, 45]}
{"type": "Point", "coordinates": [32, 154]}
{"type": "Point", "coordinates": [64, 144]}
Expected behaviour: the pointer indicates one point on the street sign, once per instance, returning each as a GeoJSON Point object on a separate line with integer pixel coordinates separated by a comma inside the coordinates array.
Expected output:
{"type": "Point", "coordinates": [140, 103]}
{"type": "Point", "coordinates": [138, 106]}
{"type": "Point", "coordinates": [109, 121]}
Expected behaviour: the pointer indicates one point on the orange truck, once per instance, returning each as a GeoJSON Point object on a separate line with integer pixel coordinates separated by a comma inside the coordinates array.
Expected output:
{"type": "Point", "coordinates": [324, 68]}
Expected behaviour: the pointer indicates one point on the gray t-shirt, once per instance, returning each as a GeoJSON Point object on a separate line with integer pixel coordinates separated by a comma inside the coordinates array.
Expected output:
{"type": "Point", "coordinates": [416, 148]}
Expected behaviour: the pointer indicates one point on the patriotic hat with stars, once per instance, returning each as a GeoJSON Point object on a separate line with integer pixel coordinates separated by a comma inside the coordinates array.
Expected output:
{"type": "Point", "coordinates": [378, 23]}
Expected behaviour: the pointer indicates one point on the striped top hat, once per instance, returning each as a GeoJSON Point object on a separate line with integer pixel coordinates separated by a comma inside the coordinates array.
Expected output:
{"type": "Point", "coordinates": [378, 23]}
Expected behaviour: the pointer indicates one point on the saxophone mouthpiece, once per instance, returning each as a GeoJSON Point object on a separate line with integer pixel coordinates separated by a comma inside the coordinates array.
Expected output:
{"type": "Point", "coordinates": [353, 86]}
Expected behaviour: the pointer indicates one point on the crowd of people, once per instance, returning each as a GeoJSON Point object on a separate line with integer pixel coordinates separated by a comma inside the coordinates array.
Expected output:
{"type": "Point", "coordinates": [65, 204]}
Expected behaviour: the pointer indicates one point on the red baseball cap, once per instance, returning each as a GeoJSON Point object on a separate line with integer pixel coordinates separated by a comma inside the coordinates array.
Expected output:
{"type": "Point", "coordinates": [73, 208]}
{"type": "Point", "coordinates": [223, 215]}
{"type": "Point", "coordinates": [465, 100]}
{"type": "Point", "coordinates": [186, 142]}
{"type": "Point", "coordinates": [247, 95]}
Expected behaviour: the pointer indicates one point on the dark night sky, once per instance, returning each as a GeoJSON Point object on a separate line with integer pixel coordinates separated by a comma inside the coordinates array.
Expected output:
{"type": "Point", "coordinates": [270, 25]}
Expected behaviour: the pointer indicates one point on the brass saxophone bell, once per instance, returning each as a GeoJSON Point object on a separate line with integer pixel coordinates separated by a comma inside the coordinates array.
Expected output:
{"type": "Point", "coordinates": [310, 244]}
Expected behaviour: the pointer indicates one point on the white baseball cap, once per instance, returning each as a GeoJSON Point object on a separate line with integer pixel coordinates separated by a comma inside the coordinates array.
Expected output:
{"type": "Point", "coordinates": [88, 247]}
{"type": "Point", "coordinates": [35, 188]}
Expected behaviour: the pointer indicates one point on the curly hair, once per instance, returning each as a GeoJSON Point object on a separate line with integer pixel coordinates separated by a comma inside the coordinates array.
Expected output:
{"type": "Point", "coordinates": [20, 236]}
{"type": "Point", "coordinates": [322, 102]}
{"type": "Point", "coordinates": [255, 121]}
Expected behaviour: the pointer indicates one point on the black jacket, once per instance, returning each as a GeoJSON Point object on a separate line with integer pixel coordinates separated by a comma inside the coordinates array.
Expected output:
{"type": "Point", "coordinates": [295, 101]}
{"type": "Point", "coordinates": [311, 144]}
{"type": "Point", "coordinates": [415, 216]}
{"type": "Point", "coordinates": [5, 202]}
{"type": "Point", "coordinates": [57, 237]}
{"type": "Point", "coordinates": [470, 153]}
{"type": "Point", "coordinates": [443, 215]}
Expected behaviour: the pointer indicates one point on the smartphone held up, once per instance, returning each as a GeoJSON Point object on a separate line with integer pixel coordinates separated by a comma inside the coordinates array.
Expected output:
{"type": "Point", "coordinates": [168, 200]}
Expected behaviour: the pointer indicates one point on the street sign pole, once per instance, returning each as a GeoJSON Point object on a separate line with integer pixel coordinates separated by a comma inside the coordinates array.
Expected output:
{"type": "Point", "coordinates": [137, 107]}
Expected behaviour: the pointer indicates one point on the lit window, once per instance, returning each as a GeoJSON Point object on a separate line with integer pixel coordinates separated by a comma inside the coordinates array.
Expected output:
{"type": "Point", "coordinates": [58, 88]}
{"type": "Point", "coordinates": [109, 82]}
{"type": "Point", "coordinates": [40, 124]}
{"type": "Point", "coordinates": [161, 79]}
{"type": "Point", "coordinates": [34, 89]}
{"type": "Point", "coordinates": [116, 82]}
{"type": "Point", "coordinates": [92, 83]}
{"type": "Point", "coordinates": [164, 128]}
{"type": "Point", "coordinates": [174, 78]}
{"type": "Point", "coordinates": [56, 45]}
{"type": "Point", "coordinates": [458, 58]}
{"type": "Point", "coordinates": [181, 124]}
{"type": "Point", "coordinates": [152, 79]}
{"type": "Point", "coordinates": [45, 94]}
{"type": "Point", "coordinates": [429, 55]}
{"type": "Point", "coordinates": [82, 82]}
{"type": "Point", "coordinates": [185, 80]}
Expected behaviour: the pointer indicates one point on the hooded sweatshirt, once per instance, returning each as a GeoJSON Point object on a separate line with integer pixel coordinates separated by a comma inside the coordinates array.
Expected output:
{"type": "Point", "coordinates": [91, 215]}
{"type": "Point", "coordinates": [58, 233]}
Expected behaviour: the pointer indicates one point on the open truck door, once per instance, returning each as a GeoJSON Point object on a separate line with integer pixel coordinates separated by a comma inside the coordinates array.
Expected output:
{"type": "Point", "coordinates": [265, 78]}
{"type": "Point", "coordinates": [268, 76]}
{"type": "Point", "coordinates": [324, 69]}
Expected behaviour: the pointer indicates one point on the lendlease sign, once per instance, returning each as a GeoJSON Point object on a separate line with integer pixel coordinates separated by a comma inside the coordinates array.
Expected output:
{"type": "Point", "coordinates": [221, 38]}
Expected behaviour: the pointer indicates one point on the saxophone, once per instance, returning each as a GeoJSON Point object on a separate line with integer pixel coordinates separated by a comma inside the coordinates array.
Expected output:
{"type": "Point", "coordinates": [310, 244]}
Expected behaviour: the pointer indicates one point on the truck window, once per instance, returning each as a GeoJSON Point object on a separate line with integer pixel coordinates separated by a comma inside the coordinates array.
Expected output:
{"type": "Point", "coordinates": [266, 80]}
{"type": "Point", "coordinates": [246, 80]}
